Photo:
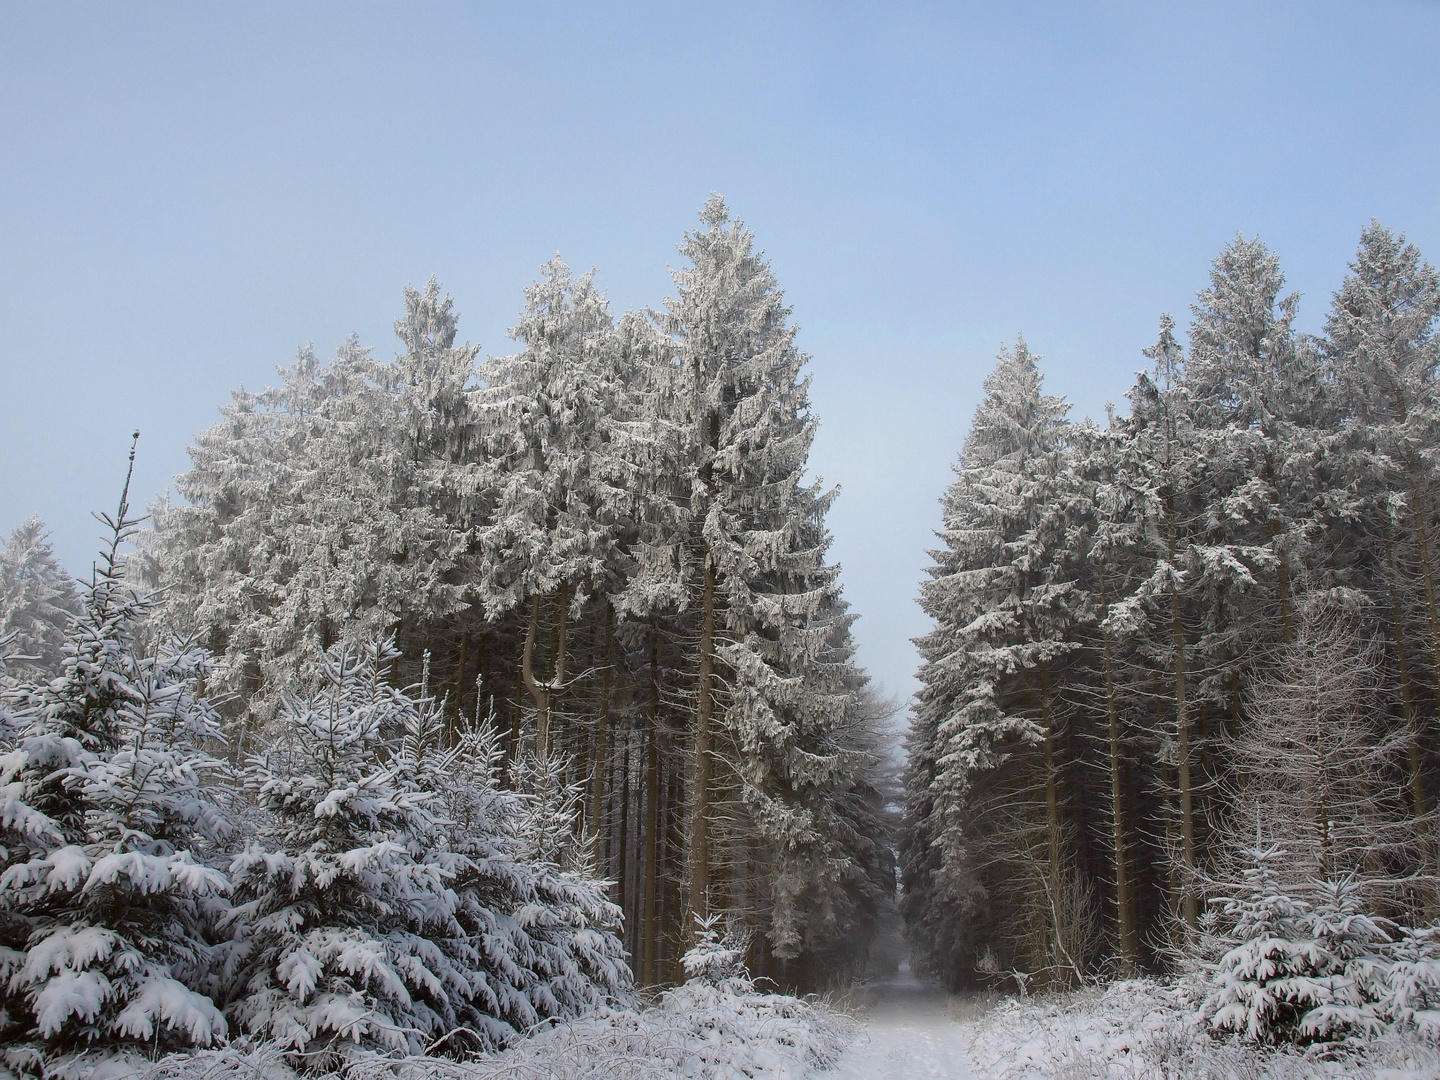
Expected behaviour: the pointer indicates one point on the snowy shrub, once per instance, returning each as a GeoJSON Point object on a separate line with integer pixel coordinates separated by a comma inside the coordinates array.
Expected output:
{"type": "Point", "coordinates": [107, 825]}
{"type": "Point", "coordinates": [1141, 1030]}
{"type": "Point", "coordinates": [545, 930]}
{"type": "Point", "coordinates": [697, 1031]}
{"type": "Point", "coordinates": [1409, 993]}
{"type": "Point", "coordinates": [1355, 950]}
{"type": "Point", "coordinates": [1296, 972]}
{"type": "Point", "coordinates": [388, 904]}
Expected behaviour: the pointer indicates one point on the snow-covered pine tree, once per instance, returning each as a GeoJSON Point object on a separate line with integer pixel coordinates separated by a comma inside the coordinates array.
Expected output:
{"type": "Point", "coordinates": [334, 504]}
{"type": "Point", "coordinates": [986, 754]}
{"type": "Point", "coordinates": [1179, 619]}
{"type": "Point", "coordinates": [1274, 971]}
{"type": "Point", "coordinates": [1381, 350]}
{"type": "Point", "coordinates": [543, 935]}
{"type": "Point", "coordinates": [437, 491]}
{"type": "Point", "coordinates": [1256, 388]}
{"type": "Point", "coordinates": [550, 415]}
{"type": "Point", "coordinates": [37, 601]}
{"type": "Point", "coordinates": [1358, 952]}
{"type": "Point", "coordinates": [340, 920]}
{"type": "Point", "coordinates": [367, 916]}
{"type": "Point", "coordinates": [774, 651]}
{"type": "Point", "coordinates": [108, 830]}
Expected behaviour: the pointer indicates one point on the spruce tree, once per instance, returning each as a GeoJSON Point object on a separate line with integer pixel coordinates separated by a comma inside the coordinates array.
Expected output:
{"type": "Point", "coordinates": [551, 416]}
{"type": "Point", "coordinates": [335, 504]}
{"type": "Point", "coordinates": [774, 652]}
{"type": "Point", "coordinates": [401, 906]}
{"type": "Point", "coordinates": [987, 727]}
{"type": "Point", "coordinates": [37, 601]}
{"type": "Point", "coordinates": [107, 888]}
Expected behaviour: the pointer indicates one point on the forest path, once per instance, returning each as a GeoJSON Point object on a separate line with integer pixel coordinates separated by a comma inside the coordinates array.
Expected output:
{"type": "Point", "coordinates": [908, 1034]}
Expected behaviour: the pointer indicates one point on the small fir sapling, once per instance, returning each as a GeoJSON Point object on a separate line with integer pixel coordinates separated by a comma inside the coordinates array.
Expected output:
{"type": "Point", "coordinates": [395, 905]}
{"type": "Point", "coordinates": [1270, 977]}
{"type": "Point", "coordinates": [108, 824]}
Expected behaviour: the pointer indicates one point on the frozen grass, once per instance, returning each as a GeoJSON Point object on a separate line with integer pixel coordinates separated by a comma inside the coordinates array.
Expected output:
{"type": "Point", "coordinates": [1140, 1030]}
{"type": "Point", "coordinates": [699, 1030]}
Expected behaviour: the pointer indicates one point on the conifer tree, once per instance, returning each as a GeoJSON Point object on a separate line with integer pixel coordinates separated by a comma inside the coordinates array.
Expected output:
{"type": "Point", "coordinates": [109, 828]}
{"type": "Point", "coordinates": [552, 416]}
{"type": "Point", "coordinates": [366, 916]}
{"type": "Point", "coordinates": [987, 719]}
{"type": "Point", "coordinates": [1381, 349]}
{"type": "Point", "coordinates": [1255, 386]}
{"type": "Point", "coordinates": [773, 629]}
{"type": "Point", "coordinates": [337, 503]}
{"type": "Point", "coordinates": [37, 601]}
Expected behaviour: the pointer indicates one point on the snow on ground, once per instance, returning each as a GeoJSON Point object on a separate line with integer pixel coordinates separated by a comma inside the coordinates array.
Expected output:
{"type": "Point", "coordinates": [909, 1034]}
{"type": "Point", "coordinates": [1132, 1031]}
{"type": "Point", "coordinates": [1141, 1030]}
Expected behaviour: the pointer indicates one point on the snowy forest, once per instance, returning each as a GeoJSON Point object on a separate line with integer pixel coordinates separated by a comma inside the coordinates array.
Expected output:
{"type": "Point", "coordinates": [503, 713]}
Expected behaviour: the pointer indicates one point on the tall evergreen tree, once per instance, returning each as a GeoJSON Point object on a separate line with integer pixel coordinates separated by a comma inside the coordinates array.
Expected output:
{"type": "Point", "coordinates": [335, 504]}
{"type": "Point", "coordinates": [774, 652]}
{"type": "Point", "coordinates": [986, 755]}
{"type": "Point", "coordinates": [37, 601]}
{"type": "Point", "coordinates": [552, 417]}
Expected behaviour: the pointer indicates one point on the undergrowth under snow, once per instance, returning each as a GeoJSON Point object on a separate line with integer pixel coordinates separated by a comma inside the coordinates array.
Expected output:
{"type": "Point", "coordinates": [1140, 1030]}
{"type": "Point", "coordinates": [701, 1030]}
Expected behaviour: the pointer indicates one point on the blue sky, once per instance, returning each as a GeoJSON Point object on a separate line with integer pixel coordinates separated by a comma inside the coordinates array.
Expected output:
{"type": "Point", "coordinates": [189, 192]}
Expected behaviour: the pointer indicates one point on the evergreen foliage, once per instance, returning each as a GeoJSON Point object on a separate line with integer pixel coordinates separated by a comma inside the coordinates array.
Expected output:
{"type": "Point", "coordinates": [1218, 609]}
{"type": "Point", "coordinates": [364, 917]}
{"type": "Point", "coordinates": [109, 830]}
{"type": "Point", "coordinates": [37, 601]}
{"type": "Point", "coordinates": [607, 543]}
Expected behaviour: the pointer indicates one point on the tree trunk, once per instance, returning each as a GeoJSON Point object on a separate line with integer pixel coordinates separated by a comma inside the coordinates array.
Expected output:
{"type": "Point", "coordinates": [1124, 892]}
{"type": "Point", "coordinates": [699, 899]}
{"type": "Point", "coordinates": [538, 693]}
{"type": "Point", "coordinates": [599, 770]}
{"type": "Point", "coordinates": [651, 923]}
{"type": "Point", "coordinates": [1287, 614]}
{"type": "Point", "coordinates": [1412, 724]}
{"type": "Point", "coordinates": [1322, 786]}
{"type": "Point", "coordinates": [1427, 573]}
{"type": "Point", "coordinates": [1189, 905]}
{"type": "Point", "coordinates": [460, 670]}
{"type": "Point", "coordinates": [622, 845]}
{"type": "Point", "coordinates": [1055, 877]}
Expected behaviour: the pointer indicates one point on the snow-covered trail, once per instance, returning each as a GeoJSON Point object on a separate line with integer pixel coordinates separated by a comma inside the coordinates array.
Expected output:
{"type": "Point", "coordinates": [908, 1034]}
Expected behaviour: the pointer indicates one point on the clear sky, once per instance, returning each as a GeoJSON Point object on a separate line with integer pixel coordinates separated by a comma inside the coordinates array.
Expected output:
{"type": "Point", "coordinates": [189, 192]}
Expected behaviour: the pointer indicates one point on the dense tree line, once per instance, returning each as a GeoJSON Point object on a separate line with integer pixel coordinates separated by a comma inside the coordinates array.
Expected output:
{"type": "Point", "coordinates": [1213, 617]}
{"type": "Point", "coordinates": [606, 543]}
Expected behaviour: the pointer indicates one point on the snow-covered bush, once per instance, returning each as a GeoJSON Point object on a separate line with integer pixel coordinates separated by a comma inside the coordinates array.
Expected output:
{"type": "Point", "coordinates": [107, 826]}
{"type": "Point", "coordinates": [1296, 971]}
{"type": "Point", "coordinates": [546, 933]}
{"type": "Point", "coordinates": [388, 904]}
{"type": "Point", "coordinates": [697, 1031]}
{"type": "Point", "coordinates": [1355, 951]}
{"type": "Point", "coordinates": [1142, 1030]}
{"type": "Point", "coordinates": [1409, 992]}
